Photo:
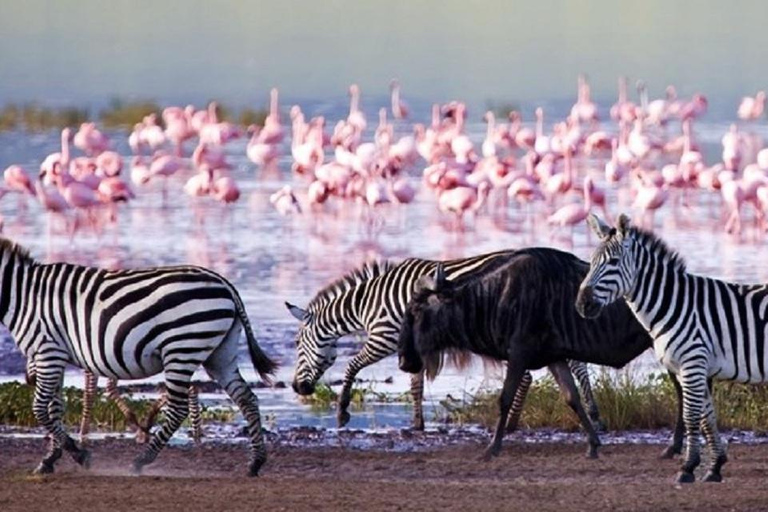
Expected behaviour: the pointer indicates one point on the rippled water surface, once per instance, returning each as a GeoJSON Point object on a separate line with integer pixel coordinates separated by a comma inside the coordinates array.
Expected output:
{"type": "Point", "coordinates": [272, 259]}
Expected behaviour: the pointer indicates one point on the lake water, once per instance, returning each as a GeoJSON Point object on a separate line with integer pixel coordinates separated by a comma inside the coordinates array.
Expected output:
{"type": "Point", "coordinates": [271, 258]}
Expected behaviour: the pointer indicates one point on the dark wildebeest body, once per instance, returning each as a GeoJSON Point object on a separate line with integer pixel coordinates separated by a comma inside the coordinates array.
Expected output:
{"type": "Point", "coordinates": [520, 310]}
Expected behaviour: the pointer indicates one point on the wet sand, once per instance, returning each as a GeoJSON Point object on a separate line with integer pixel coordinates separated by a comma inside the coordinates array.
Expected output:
{"type": "Point", "coordinates": [541, 477]}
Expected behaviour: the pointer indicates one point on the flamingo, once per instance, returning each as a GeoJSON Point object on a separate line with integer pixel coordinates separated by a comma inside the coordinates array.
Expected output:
{"type": "Point", "coordinates": [399, 107]}
{"type": "Point", "coordinates": [751, 109]}
{"type": "Point", "coordinates": [285, 201]}
{"type": "Point", "coordinates": [356, 118]}
{"type": "Point", "coordinates": [459, 200]}
{"type": "Point", "coordinates": [648, 199]}
{"type": "Point", "coordinates": [225, 189]}
{"type": "Point", "coordinates": [90, 140]}
{"type": "Point", "coordinates": [272, 132]}
{"type": "Point", "coordinates": [574, 213]}
{"type": "Point", "coordinates": [543, 144]}
{"type": "Point", "coordinates": [61, 158]}
{"type": "Point", "coordinates": [18, 180]}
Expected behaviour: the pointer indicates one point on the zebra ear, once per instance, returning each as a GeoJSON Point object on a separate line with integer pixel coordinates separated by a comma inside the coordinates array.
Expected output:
{"type": "Point", "coordinates": [623, 223]}
{"type": "Point", "coordinates": [601, 229]}
{"type": "Point", "coordinates": [296, 311]}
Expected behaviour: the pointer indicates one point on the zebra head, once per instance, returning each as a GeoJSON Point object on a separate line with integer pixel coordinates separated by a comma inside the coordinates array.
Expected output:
{"type": "Point", "coordinates": [612, 270]}
{"type": "Point", "coordinates": [315, 349]}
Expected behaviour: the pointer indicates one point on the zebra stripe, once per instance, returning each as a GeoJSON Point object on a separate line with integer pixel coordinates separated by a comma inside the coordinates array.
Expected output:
{"type": "Point", "coordinates": [128, 324]}
{"type": "Point", "coordinates": [703, 328]}
{"type": "Point", "coordinates": [373, 299]}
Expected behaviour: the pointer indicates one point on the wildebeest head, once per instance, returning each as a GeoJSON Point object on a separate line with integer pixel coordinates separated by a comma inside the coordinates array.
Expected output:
{"type": "Point", "coordinates": [425, 332]}
{"type": "Point", "coordinates": [612, 272]}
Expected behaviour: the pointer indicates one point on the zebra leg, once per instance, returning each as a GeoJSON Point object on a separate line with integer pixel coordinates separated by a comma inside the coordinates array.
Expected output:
{"type": "Point", "coordinates": [568, 389]}
{"type": "Point", "coordinates": [89, 394]}
{"type": "Point", "coordinates": [143, 428]}
{"type": "Point", "coordinates": [694, 384]}
{"type": "Point", "coordinates": [365, 357]}
{"type": "Point", "coordinates": [676, 448]}
{"type": "Point", "coordinates": [177, 388]}
{"type": "Point", "coordinates": [515, 372]}
{"type": "Point", "coordinates": [47, 389]}
{"type": "Point", "coordinates": [581, 372]}
{"type": "Point", "coordinates": [195, 414]}
{"type": "Point", "coordinates": [56, 411]}
{"type": "Point", "coordinates": [717, 451]}
{"type": "Point", "coordinates": [417, 395]}
{"type": "Point", "coordinates": [518, 402]}
{"type": "Point", "coordinates": [228, 376]}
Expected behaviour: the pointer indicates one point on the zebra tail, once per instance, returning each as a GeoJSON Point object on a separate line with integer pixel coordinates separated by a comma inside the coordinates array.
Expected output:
{"type": "Point", "coordinates": [261, 361]}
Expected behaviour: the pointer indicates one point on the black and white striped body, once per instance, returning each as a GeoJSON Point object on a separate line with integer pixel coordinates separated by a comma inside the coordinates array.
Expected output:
{"type": "Point", "coordinates": [702, 328]}
{"type": "Point", "coordinates": [373, 299]}
{"type": "Point", "coordinates": [127, 325]}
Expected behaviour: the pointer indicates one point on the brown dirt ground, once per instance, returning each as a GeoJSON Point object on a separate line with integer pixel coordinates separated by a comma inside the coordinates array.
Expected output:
{"type": "Point", "coordinates": [538, 477]}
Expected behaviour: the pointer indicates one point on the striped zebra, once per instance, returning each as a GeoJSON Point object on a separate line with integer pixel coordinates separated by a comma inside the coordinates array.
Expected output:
{"type": "Point", "coordinates": [372, 299]}
{"type": "Point", "coordinates": [702, 328]}
{"type": "Point", "coordinates": [127, 324]}
{"type": "Point", "coordinates": [141, 427]}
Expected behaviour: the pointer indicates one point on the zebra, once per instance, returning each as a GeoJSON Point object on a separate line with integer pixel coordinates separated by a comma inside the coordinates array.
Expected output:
{"type": "Point", "coordinates": [702, 328]}
{"type": "Point", "coordinates": [141, 427]}
{"type": "Point", "coordinates": [373, 298]}
{"type": "Point", "coordinates": [128, 324]}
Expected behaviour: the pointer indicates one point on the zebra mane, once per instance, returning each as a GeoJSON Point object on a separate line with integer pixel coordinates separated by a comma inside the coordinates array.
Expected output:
{"type": "Point", "coordinates": [658, 246]}
{"type": "Point", "coordinates": [367, 271]}
{"type": "Point", "coordinates": [22, 253]}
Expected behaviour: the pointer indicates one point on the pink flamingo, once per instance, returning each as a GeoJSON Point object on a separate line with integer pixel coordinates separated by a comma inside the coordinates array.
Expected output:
{"type": "Point", "coordinates": [272, 132]}
{"type": "Point", "coordinates": [18, 180]}
{"type": "Point", "coordinates": [356, 117]}
{"type": "Point", "coordinates": [649, 199]}
{"type": "Point", "coordinates": [260, 152]}
{"type": "Point", "coordinates": [574, 213]}
{"type": "Point", "coordinates": [165, 166]}
{"type": "Point", "coordinates": [109, 163]}
{"type": "Point", "coordinates": [199, 185]}
{"type": "Point", "coordinates": [460, 200]}
{"type": "Point", "coordinates": [317, 193]}
{"type": "Point", "coordinates": [61, 158]}
{"type": "Point", "coordinates": [543, 144]}
{"type": "Point", "coordinates": [615, 170]}
{"type": "Point", "coordinates": [488, 148]}
{"type": "Point", "coordinates": [399, 107]}
{"type": "Point", "coordinates": [178, 127]}
{"type": "Point", "coordinates": [140, 174]}
{"type": "Point", "coordinates": [732, 148]}
{"type": "Point", "coordinates": [733, 197]}
{"type": "Point", "coordinates": [50, 198]}
{"type": "Point", "coordinates": [225, 189]}
{"type": "Point", "coordinates": [623, 110]}
{"type": "Point", "coordinates": [285, 201]}
{"type": "Point", "coordinates": [90, 140]}
{"type": "Point", "coordinates": [584, 109]}
{"type": "Point", "coordinates": [751, 109]}
{"type": "Point", "coordinates": [400, 191]}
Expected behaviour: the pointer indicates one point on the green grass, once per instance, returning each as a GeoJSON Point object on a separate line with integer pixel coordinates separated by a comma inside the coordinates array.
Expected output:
{"type": "Point", "coordinates": [32, 117]}
{"type": "Point", "coordinates": [626, 403]}
{"type": "Point", "coordinates": [16, 409]}
{"type": "Point", "coordinates": [125, 114]}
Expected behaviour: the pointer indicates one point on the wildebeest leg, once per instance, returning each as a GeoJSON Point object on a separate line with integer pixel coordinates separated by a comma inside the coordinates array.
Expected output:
{"type": "Point", "coordinates": [568, 388]}
{"type": "Point", "coordinates": [417, 394]}
{"type": "Point", "coordinates": [515, 372]}
{"type": "Point", "coordinates": [518, 402]}
{"type": "Point", "coordinates": [581, 372]}
{"type": "Point", "coordinates": [676, 448]}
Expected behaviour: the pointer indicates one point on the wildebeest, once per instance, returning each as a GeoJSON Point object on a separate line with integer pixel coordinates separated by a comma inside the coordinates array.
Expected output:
{"type": "Point", "coordinates": [520, 310]}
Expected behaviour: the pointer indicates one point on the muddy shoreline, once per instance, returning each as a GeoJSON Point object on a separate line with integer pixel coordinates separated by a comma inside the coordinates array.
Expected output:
{"type": "Point", "coordinates": [537, 476]}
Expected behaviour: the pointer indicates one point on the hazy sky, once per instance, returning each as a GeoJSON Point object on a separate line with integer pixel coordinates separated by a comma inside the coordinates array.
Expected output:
{"type": "Point", "coordinates": [191, 50]}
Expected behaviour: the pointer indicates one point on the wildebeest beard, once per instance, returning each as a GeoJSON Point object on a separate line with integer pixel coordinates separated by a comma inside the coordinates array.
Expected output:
{"type": "Point", "coordinates": [440, 337]}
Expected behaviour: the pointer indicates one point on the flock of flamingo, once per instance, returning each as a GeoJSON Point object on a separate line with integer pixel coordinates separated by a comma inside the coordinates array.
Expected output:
{"type": "Point", "coordinates": [632, 149]}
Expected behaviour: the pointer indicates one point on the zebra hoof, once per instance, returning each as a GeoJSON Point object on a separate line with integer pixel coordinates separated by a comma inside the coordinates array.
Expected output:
{"type": "Point", "coordinates": [136, 467]}
{"type": "Point", "coordinates": [44, 468]}
{"type": "Point", "coordinates": [342, 418]}
{"type": "Point", "coordinates": [685, 478]}
{"type": "Point", "coordinates": [713, 477]}
{"type": "Point", "coordinates": [255, 467]}
{"type": "Point", "coordinates": [83, 458]}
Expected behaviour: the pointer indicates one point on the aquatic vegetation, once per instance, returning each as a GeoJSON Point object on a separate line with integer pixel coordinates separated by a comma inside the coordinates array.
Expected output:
{"type": "Point", "coordinates": [626, 402]}
{"type": "Point", "coordinates": [125, 114]}
{"type": "Point", "coordinates": [501, 109]}
{"type": "Point", "coordinates": [32, 117]}
{"type": "Point", "coordinates": [249, 116]}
